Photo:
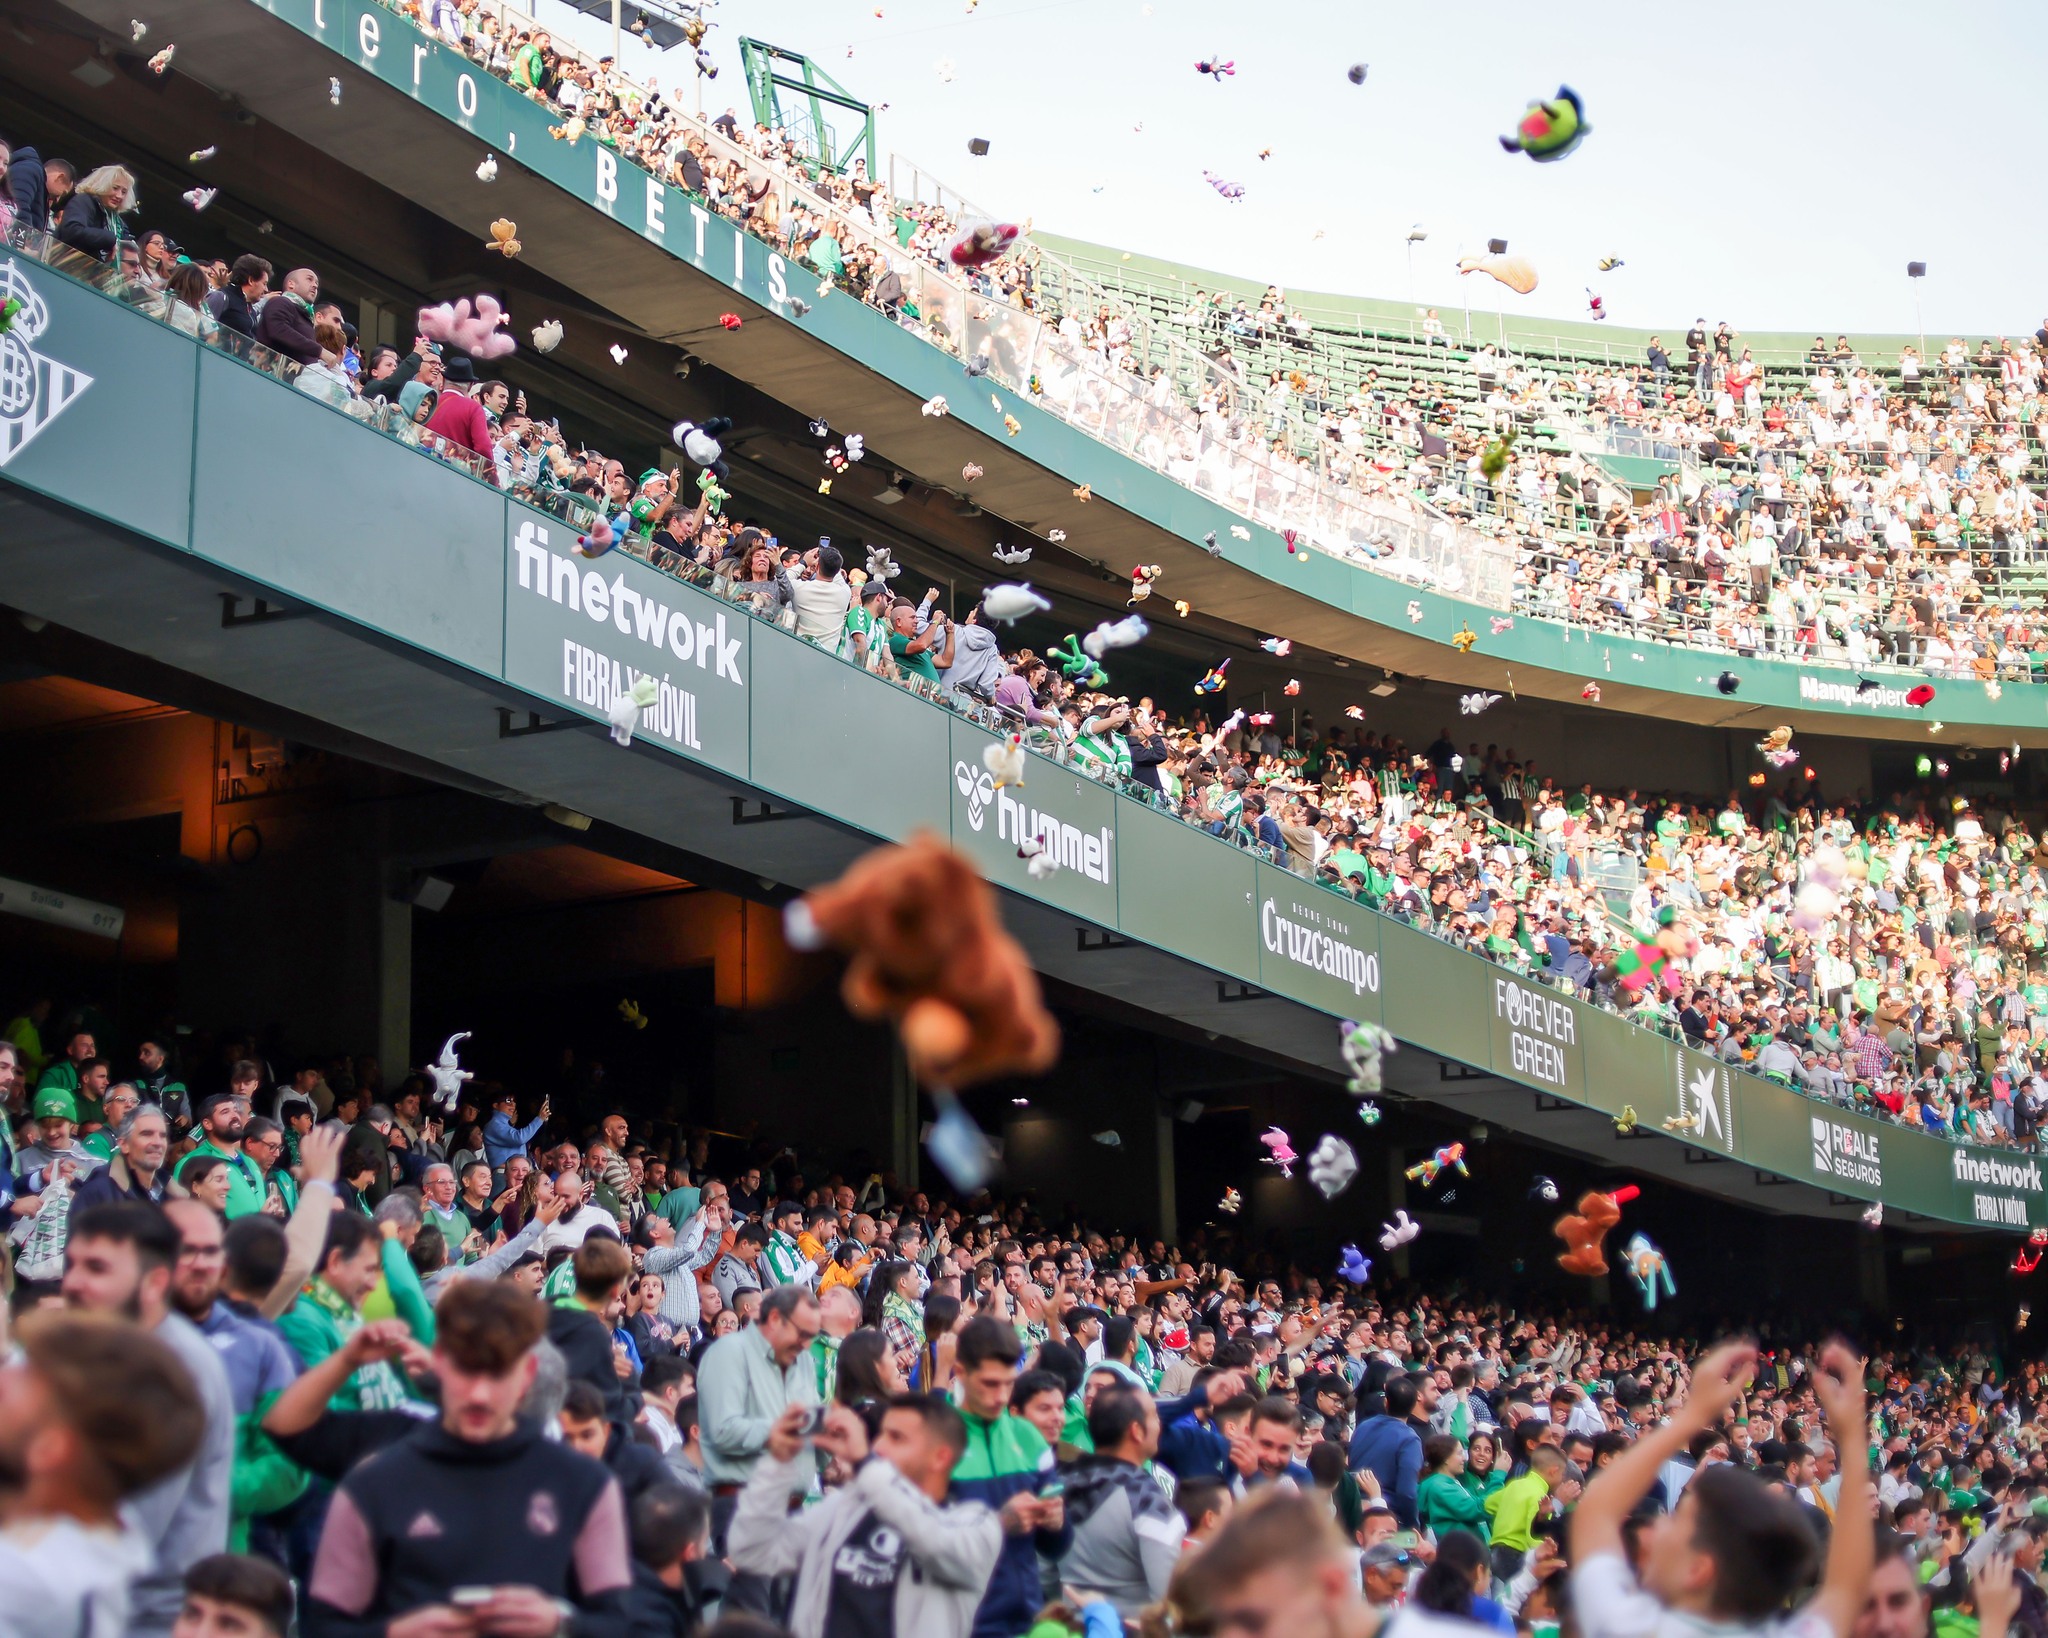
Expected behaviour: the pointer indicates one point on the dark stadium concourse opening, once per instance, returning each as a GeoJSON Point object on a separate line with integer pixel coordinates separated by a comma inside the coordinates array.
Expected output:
{"type": "Point", "coordinates": [300, 892]}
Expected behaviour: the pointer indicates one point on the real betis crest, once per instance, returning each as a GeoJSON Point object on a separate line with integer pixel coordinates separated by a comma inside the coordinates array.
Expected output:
{"type": "Point", "coordinates": [34, 388]}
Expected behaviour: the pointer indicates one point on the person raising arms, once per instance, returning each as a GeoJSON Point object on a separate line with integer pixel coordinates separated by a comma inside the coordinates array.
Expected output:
{"type": "Point", "coordinates": [1732, 1553]}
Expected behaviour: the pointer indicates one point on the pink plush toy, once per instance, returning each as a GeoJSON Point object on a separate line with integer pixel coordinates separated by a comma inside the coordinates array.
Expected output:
{"type": "Point", "coordinates": [477, 329]}
{"type": "Point", "coordinates": [1280, 1150]}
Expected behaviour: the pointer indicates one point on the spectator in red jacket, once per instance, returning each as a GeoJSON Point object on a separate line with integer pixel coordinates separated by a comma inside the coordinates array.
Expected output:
{"type": "Point", "coordinates": [458, 417]}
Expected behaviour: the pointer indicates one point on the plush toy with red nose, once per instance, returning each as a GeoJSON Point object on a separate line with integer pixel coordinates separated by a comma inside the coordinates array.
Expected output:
{"type": "Point", "coordinates": [1584, 1232]}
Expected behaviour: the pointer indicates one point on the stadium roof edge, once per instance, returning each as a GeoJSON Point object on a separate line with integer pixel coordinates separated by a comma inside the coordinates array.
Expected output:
{"type": "Point", "coordinates": [1399, 314]}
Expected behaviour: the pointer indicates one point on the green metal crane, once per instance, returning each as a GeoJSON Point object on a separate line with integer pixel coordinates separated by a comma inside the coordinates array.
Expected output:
{"type": "Point", "coordinates": [812, 92]}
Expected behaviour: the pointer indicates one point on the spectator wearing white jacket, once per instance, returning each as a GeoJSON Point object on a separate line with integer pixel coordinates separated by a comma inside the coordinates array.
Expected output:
{"type": "Point", "coordinates": [822, 596]}
{"type": "Point", "coordinates": [886, 1553]}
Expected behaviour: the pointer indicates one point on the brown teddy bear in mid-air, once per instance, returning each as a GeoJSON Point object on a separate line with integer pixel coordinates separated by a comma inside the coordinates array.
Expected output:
{"type": "Point", "coordinates": [929, 951]}
{"type": "Point", "coordinates": [1584, 1232]}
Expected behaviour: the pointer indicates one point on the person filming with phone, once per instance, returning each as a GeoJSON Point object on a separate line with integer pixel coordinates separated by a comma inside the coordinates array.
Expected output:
{"type": "Point", "coordinates": [885, 1555]}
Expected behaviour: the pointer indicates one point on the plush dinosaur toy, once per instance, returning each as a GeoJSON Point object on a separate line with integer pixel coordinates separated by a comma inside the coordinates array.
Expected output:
{"type": "Point", "coordinates": [1077, 666]}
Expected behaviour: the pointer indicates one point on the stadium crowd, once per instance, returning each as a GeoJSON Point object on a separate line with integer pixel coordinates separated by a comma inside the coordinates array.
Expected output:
{"type": "Point", "coordinates": [1848, 518]}
{"type": "Point", "coordinates": [464, 1374]}
{"type": "Point", "coordinates": [1923, 998]}
{"type": "Point", "coordinates": [1843, 518]}
{"type": "Point", "coordinates": [304, 1353]}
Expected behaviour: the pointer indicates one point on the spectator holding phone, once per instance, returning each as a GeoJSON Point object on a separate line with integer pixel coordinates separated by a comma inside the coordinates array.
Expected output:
{"type": "Point", "coordinates": [888, 1552]}
{"type": "Point", "coordinates": [476, 1523]}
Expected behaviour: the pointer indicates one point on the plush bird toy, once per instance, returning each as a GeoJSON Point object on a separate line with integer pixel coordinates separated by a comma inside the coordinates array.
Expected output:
{"type": "Point", "coordinates": [1450, 1155]}
{"type": "Point", "coordinates": [1584, 1232]}
{"type": "Point", "coordinates": [1075, 665]}
{"type": "Point", "coordinates": [1550, 129]}
{"type": "Point", "coordinates": [1005, 760]}
{"type": "Point", "coordinates": [928, 950]}
{"type": "Point", "coordinates": [447, 1073]}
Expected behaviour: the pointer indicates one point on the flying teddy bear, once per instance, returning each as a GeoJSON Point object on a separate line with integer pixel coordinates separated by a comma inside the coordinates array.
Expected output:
{"type": "Point", "coordinates": [929, 951]}
{"type": "Point", "coordinates": [1584, 1232]}
{"type": "Point", "coordinates": [478, 330]}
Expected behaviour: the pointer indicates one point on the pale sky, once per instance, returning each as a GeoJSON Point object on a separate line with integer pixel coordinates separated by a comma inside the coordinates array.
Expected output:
{"type": "Point", "coordinates": [1775, 164]}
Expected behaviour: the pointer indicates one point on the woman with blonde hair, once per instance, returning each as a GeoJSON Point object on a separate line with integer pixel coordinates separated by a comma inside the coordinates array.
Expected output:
{"type": "Point", "coordinates": [92, 221]}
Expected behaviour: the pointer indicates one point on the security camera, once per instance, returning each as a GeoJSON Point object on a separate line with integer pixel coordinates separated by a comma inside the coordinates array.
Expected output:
{"type": "Point", "coordinates": [681, 368]}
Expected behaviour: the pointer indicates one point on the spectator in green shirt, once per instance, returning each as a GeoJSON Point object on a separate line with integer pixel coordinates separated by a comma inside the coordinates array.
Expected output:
{"type": "Point", "coordinates": [1441, 1501]}
{"type": "Point", "coordinates": [114, 1109]}
{"type": "Point", "coordinates": [224, 1118]}
{"type": "Point", "coordinates": [79, 1050]}
{"type": "Point", "coordinates": [914, 649]}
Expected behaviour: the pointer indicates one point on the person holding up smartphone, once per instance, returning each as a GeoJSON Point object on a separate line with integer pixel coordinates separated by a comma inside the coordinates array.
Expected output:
{"type": "Point", "coordinates": [474, 1526]}
{"type": "Point", "coordinates": [888, 1552]}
